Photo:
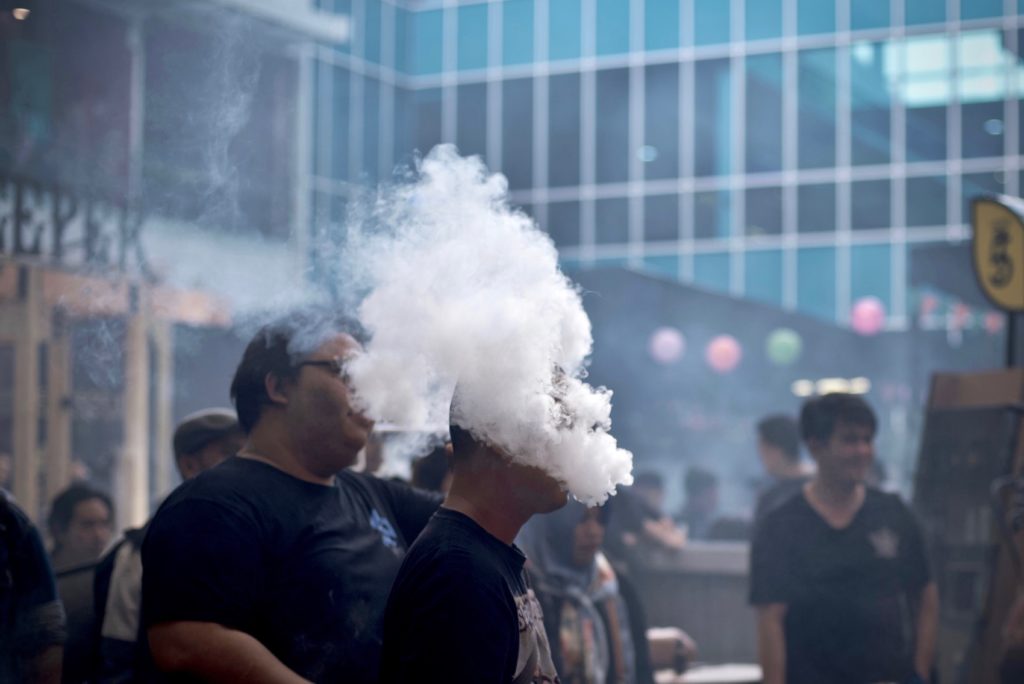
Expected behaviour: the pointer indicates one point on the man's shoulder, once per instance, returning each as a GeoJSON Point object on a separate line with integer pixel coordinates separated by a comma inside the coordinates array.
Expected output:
{"type": "Point", "coordinates": [890, 505]}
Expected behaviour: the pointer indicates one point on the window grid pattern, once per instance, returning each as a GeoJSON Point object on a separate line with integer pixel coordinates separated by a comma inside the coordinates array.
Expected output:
{"type": "Point", "coordinates": [958, 81]}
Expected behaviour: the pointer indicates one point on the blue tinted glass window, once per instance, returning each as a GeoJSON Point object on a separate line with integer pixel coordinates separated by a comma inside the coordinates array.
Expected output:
{"type": "Point", "coordinates": [924, 11]}
{"type": "Point", "coordinates": [764, 19]}
{"type": "Point", "coordinates": [816, 282]}
{"type": "Point", "coordinates": [764, 211]}
{"type": "Point", "coordinates": [428, 34]}
{"type": "Point", "coordinates": [816, 108]}
{"type": "Point", "coordinates": [340, 100]}
{"type": "Point", "coordinates": [926, 90]}
{"type": "Point", "coordinates": [764, 113]}
{"type": "Point", "coordinates": [926, 201]}
{"type": "Point", "coordinates": [869, 14]}
{"type": "Point", "coordinates": [712, 271]}
{"type": "Point", "coordinates": [320, 123]}
{"type": "Point", "coordinates": [564, 223]}
{"type": "Point", "coordinates": [564, 130]}
{"type": "Point", "coordinates": [428, 118]}
{"type": "Point", "coordinates": [611, 262]}
{"type": "Point", "coordinates": [816, 207]}
{"type": "Point", "coordinates": [660, 153]}
{"type": "Point", "coordinates": [403, 46]}
{"type": "Point", "coordinates": [342, 7]}
{"type": "Point", "coordinates": [712, 214]}
{"type": "Point", "coordinates": [471, 119]}
{"type": "Point", "coordinates": [517, 32]}
{"type": "Point", "coordinates": [982, 89]}
{"type": "Point", "coordinates": [613, 126]}
{"type": "Point", "coordinates": [612, 27]}
{"type": "Point", "coordinates": [517, 132]}
{"type": "Point", "coordinates": [712, 132]}
{"type": "Point", "coordinates": [371, 33]}
{"type": "Point", "coordinates": [871, 273]}
{"type": "Point", "coordinates": [472, 37]}
{"type": "Point", "coordinates": [661, 24]}
{"type": "Point", "coordinates": [611, 221]}
{"type": "Point", "coordinates": [869, 103]}
{"type": "Point", "coordinates": [815, 16]}
{"type": "Point", "coordinates": [371, 128]}
{"type": "Point", "coordinates": [664, 266]}
{"type": "Point", "coordinates": [979, 9]}
{"type": "Point", "coordinates": [404, 127]}
{"type": "Point", "coordinates": [564, 29]}
{"type": "Point", "coordinates": [763, 275]}
{"type": "Point", "coordinates": [661, 217]}
{"type": "Point", "coordinates": [869, 204]}
{"type": "Point", "coordinates": [711, 22]}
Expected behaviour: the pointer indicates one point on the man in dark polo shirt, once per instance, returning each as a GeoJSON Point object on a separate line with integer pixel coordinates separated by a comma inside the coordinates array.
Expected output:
{"type": "Point", "coordinates": [839, 574]}
{"type": "Point", "coordinates": [275, 566]}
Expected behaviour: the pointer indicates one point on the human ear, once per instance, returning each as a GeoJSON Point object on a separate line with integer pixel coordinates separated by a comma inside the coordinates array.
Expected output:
{"type": "Point", "coordinates": [276, 388]}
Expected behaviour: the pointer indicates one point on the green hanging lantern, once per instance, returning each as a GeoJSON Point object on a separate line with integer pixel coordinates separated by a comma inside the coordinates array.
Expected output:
{"type": "Point", "coordinates": [784, 346]}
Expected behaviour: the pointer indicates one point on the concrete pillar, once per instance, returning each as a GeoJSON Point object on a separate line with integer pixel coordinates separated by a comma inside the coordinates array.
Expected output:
{"type": "Point", "coordinates": [58, 408]}
{"type": "Point", "coordinates": [163, 411]}
{"type": "Point", "coordinates": [133, 470]}
{"type": "Point", "coordinates": [25, 425]}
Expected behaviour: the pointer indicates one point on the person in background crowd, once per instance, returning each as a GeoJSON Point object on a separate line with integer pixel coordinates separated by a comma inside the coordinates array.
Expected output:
{"type": "Point", "coordinates": [32, 627]}
{"type": "Point", "coordinates": [834, 568]}
{"type": "Point", "coordinates": [461, 610]}
{"type": "Point", "coordinates": [701, 506]}
{"type": "Point", "coordinates": [81, 523]}
{"type": "Point", "coordinates": [433, 472]}
{"type": "Point", "coordinates": [201, 441]}
{"type": "Point", "coordinates": [596, 633]}
{"type": "Point", "coordinates": [637, 523]}
{"type": "Point", "coordinates": [275, 566]}
{"type": "Point", "coordinates": [778, 446]}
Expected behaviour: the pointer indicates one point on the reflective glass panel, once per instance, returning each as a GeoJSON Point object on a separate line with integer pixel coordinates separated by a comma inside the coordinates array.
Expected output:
{"type": "Point", "coordinates": [712, 130]}
{"type": "Point", "coordinates": [472, 45]}
{"type": "Point", "coordinates": [815, 16]}
{"type": "Point", "coordinates": [611, 221]}
{"type": "Point", "coordinates": [763, 275]}
{"type": "Point", "coordinates": [764, 211]}
{"type": "Point", "coordinates": [926, 201]}
{"type": "Point", "coordinates": [870, 66]}
{"type": "Point", "coordinates": [661, 217]}
{"type": "Point", "coordinates": [564, 223]}
{"type": "Point", "coordinates": [564, 29]}
{"type": "Point", "coordinates": [816, 282]}
{"type": "Point", "coordinates": [471, 119]}
{"type": "Point", "coordinates": [869, 204]}
{"type": "Point", "coordinates": [712, 214]}
{"type": "Point", "coordinates": [428, 118]}
{"type": "Point", "coordinates": [763, 19]}
{"type": "Point", "coordinates": [612, 27]}
{"type": "Point", "coordinates": [816, 208]}
{"type": "Point", "coordinates": [816, 108]}
{"type": "Point", "coordinates": [564, 130]}
{"type": "Point", "coordinates": [711, 271]}
{"type": "Point", "coordinates": [711, 22]}
{"type": "Point", "coordinates": [869, 14]}
{"type": "Point", "coordinates": [660, 151]}
{"type": "Point", "coordinates": [661, 24]}
{"type": "Point", "coordinates": [427, 40]}
{"type": "Point", "coordinates": [764, 113]}
{"type": "Point", "coordinates": [871, 273]}
{"type": "Point", "coordinates": [612, 153]}
{"type": "Point", "coordinates": [517, 132]}
{"type": "Point", "coordinates": [924, 11]}
{"type": "Point", "coordinates": [517, 32]}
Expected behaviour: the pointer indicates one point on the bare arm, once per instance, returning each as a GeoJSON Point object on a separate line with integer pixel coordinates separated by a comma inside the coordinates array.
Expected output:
{"type": "Point", "coordinates": [216, 654]}
{"type": "Point", "coordinates": [45, 666]}
{"type": "Point", "coordinates": [771, 642]}
{"type": "Point", "coordinates": [927, 626]}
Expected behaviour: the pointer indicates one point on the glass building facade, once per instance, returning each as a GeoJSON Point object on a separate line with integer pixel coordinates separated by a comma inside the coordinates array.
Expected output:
{"type": "Point", "coordinates": [796, 152]}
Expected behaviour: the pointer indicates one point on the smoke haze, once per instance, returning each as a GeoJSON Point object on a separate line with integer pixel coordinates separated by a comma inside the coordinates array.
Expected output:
{"type": "Point", "coordinates": [455, 287]}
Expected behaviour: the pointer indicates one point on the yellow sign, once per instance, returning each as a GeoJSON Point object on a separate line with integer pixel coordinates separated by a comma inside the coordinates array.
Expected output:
{"type": "Point", "coordinates": [999, 250]}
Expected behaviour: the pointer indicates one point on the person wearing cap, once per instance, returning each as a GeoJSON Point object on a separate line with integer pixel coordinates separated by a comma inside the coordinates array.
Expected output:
{"type": "Point", "coordinates": [201, 441]}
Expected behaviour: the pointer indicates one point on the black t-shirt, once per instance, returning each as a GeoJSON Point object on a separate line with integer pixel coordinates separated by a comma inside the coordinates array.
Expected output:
{"type": "Point", "coordinates": [776, 494]}
{"type": "Point", "coordinates": [31, 617]}
{"type": "Point", "coordinates": [848, 619]}
{"type": "Point", "coordinates": [461, 611]}
{"type": "Point", "coordinates": [304, 568]}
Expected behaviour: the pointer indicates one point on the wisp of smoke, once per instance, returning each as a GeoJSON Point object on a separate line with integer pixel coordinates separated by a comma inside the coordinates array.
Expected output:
{"type": "Point", "coordinates": [458, 288]}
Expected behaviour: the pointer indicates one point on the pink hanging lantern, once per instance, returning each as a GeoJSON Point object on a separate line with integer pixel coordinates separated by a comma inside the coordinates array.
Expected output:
{"type": "Point", "coordinates": [723, 353]}
{"type": "Point", "coordinates": [994, 322]}
{"type": "Point", "coordinates": [666, 345]}
{"type": "Point", "coordinates": [868, 315]}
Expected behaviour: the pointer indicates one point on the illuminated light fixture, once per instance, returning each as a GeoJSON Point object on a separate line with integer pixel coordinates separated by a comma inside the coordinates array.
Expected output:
{"type": "Point", "coordinates": [803, 388]}
{"type": "Point", "coordinates": [860, 386]}
{"type": "Point", "coordinates": [808, 388]}
{"type": "Point", "coordinates": [21, 13]}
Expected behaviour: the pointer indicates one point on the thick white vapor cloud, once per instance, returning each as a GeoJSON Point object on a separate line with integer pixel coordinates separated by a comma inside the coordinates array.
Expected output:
{"type": "Point", "coordinates": [460, 289]}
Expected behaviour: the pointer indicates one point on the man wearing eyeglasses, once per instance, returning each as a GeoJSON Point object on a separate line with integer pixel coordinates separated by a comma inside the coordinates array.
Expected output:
{"type": "Point", "coordinates": [276, 565]}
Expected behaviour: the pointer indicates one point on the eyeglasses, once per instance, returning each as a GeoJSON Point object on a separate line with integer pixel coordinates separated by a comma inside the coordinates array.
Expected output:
{"type": "Point", "coordinates": [335, 366]}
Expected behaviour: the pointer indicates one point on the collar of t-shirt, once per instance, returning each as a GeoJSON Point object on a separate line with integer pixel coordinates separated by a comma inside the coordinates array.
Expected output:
{"type": "Point", "coordinates": [510, 552]}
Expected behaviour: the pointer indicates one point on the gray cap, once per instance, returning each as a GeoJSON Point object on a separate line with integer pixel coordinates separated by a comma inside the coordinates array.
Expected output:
{"type": "Point", "coordinates": [198, 429]}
